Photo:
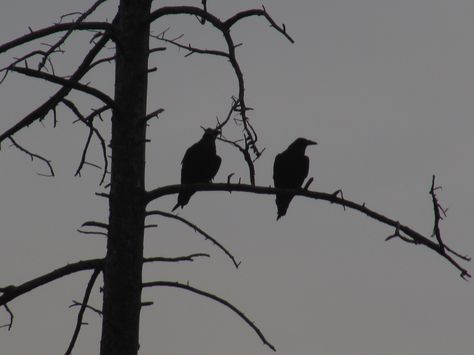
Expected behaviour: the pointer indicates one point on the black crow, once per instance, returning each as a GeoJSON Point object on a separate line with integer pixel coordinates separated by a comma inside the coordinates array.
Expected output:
{"type": "Point", "coordinates": [289, 171]}
{"type": "Point", "coordinates": [200, 164]}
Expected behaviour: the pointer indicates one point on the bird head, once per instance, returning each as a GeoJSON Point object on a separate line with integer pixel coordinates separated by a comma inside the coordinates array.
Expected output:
{"type": "Point", "coordinates": [210, 133]}
{"type": "Point", "coordinates": [301, 144]}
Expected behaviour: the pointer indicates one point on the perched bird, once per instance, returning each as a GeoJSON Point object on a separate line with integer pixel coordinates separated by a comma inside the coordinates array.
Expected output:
{"type": "Point", "coordinates": [200, 164]}
{"type": "Point", "coordinates": [289, 171]}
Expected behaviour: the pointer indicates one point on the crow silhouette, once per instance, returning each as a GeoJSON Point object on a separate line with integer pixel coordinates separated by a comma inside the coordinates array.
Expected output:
{"type": "Point", "coordinates": [199, 165]}
{"type": "Point", "coordinates": [289, 171]}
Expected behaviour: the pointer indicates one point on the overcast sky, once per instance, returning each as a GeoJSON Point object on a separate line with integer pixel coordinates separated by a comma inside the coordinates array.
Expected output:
{"type": "Point", "coordinates": [385, 87]}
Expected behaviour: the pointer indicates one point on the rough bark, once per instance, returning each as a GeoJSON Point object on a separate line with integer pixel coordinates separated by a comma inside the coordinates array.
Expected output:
{"type": "Point", "coordinates": [123, 265]}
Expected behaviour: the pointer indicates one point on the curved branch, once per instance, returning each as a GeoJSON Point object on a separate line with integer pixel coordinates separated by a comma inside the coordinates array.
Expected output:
{"type": "Point", "coordinates": [332, 198]}
{"type": "Point", "coordinates": [11, 292]}
{"type": "Point", "coordinates": [215, 298]}
{"type": "Point", "coordinates": [186, 10]}
{"type": "Point", "coordinates": [34, 156]}
{"type": "Point", "coordinates": [196, 229]}
{"type": "Point", "coordinates": [215, 21]}
{"type": "Point", "coordinates": [257, 12]}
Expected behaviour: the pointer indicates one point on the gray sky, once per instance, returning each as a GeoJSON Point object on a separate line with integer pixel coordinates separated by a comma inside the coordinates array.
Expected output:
{"type": "Point", "coordinates": [385, 87]}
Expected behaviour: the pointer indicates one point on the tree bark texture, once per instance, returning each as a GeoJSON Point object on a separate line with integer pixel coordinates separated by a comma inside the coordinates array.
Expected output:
{"type": "Point", "coordinates": [123, 264]}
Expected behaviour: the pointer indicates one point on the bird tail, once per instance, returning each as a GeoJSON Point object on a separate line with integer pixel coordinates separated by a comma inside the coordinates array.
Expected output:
{"type": "Point", "coordinates": [183, 199]}
{"type": "Point", "coordinates": [282, 202]}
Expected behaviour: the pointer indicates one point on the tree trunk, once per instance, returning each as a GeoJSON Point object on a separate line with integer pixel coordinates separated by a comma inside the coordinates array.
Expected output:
{"type": "Point", "coordinates": [123, 265]}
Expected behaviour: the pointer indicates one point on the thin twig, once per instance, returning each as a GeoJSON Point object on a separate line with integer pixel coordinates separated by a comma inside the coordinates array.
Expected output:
{"type": "Point", "coordinates": [10, 323]}
{"type": "Point", "coordinates": [436, 210]}
{"type": "Point", "coordinates": [88, 121]}
{"type": "Point", "coordinates": [34, 156]}
{"type": "Point", "coordinates": [93, 309]}
{"type": "Point", "coordinates": [80, 314]}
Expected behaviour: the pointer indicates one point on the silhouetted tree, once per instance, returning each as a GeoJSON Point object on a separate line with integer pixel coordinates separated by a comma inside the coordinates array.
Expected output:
{"type": "Point", "coordinates": [129, 32]}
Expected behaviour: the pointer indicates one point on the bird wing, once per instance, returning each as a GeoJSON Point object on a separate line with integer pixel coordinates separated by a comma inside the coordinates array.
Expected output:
{"type": "Point", "coordinates": [279, 170]}
{"type": "Point", "coordinates": [290, 171]}
{"type": "Point", "coordinates": [301, 171]}
{"type": "Point", "coordinates": [199, 164]}
{"type": "Point", "coordinates": [214, 167]}
{"type": "Point", "coordinates": [190, 164]}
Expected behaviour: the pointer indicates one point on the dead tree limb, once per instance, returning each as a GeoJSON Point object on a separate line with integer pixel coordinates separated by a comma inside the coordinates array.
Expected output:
{"type": "Point", "coordinates": [52, 102]}
{"type": "Point", "coordinates": [411, 234]}
{"type": "Point", "coordinates": [88, 121]}
{"type": "Point", "coordinates": [80, 314]}
{"type": "Point", "coordinates": [60, 27]}
{"type": "Point", "coordinates": [34, 156]}
{"type": "Point", "coordinates": [190, 257]}
{"type": "Point", "coordinates": [196, 229]}
{"type": "Point", "coordinates": [215, 298]}
{"type": "Point", "coordinates": [11, 292]}
{"type": "Point", "coordinates": [66, 83]}
{"type": "Point", "coordinates": [55, 47]}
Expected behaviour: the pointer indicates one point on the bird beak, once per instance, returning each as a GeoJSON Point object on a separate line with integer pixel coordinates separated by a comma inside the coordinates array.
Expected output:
{"type": "Point", "coordinates": [308, 142]}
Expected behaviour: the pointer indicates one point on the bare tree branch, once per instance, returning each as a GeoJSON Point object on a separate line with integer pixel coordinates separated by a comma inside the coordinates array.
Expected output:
{"type": "Point", "coordinates": [93, 309]}
{"type": "Point", "coordinates": [198, 230]}
{"type": "Point", "coordinates": [95, 224]}
{"type": "Point", "coordinates": [92, 233]}
{"type": "Point", "coordinates": [215, 298]}
{"type": "Point", "coordinates": [80, 314]}
{"type": "Point", "coordinates": [191, 49]}
{"type": "Point", "coordinates": [101, 225]}
{"type": "Point", "coordinates": [61, 27]}
{"type": "Point", "coordinates": [11, 292]}
{"type": "Point", "coordinates": [34, 156]}
{"type": "Point", "coordinates": [151, 115]}
{"type": "Point", "coordinates": [58, 44]}
{"type": "Point", "coordinates": [190, 257]}
{"type": "Point", "coordinates": [257, 12]}
{"type": "Point", "coordinates": [437, 215]}
{"type": "Point", "coordinates": [51, 103]}
{"type": "Point", "coordinates": [10, 323]}
{"type": "Point", "coordinates": [24, 58]}
{"type": "Point", "coordinates": [68, 83]}
{"type": "Point", "coordinates": [332, 198]}
{"type": "Point", "coordinates": [215, 21]}
{"type": "Point", "coordinates": [88, 121]}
